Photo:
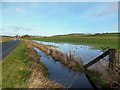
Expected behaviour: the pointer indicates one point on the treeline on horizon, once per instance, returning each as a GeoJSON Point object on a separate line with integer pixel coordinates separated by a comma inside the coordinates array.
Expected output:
{"type": "Point", "coordinates": [71, 34]}
{"type": "Point", "coordinates": [90, 33]}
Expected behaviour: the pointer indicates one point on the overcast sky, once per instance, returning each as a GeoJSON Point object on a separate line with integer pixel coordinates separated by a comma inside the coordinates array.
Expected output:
{"type": "Point", "coordinates": [47, 19]}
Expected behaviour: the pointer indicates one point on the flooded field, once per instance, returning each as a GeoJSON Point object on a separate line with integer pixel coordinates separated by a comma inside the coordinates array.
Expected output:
{"type": "Point", "coordinates": [62, 74]}
{"type": "Point", "coordinates": [84, 52]}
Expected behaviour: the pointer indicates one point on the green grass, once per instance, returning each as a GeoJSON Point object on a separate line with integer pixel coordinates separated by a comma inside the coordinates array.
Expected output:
{"type": "Point", "coordinates": [104, 40]}
{"type": "Point", "coordinates": [15, 68]}
{"type": "Point", "coordinates": [96, 77]}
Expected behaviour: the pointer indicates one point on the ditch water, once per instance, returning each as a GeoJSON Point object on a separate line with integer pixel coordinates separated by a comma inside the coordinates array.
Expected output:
{"type": "Point", "coordinates": [84, 52]}
{"type": "Point", "coordinates": [61, 73]}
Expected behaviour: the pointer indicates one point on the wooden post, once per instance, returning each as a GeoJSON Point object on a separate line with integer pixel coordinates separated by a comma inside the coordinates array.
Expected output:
{"type": "Point", "coordinates": [112, 59]}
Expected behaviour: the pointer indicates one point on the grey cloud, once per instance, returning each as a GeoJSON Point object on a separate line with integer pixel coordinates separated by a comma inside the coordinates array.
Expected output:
{"type": "Point", "coordinates": [19, 28]}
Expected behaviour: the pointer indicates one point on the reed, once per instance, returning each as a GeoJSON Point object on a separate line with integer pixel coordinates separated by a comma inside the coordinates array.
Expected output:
{"type": "Point", "coordinates": [55, 55]}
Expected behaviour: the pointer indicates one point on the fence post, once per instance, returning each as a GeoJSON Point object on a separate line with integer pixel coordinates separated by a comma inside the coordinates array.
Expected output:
{"type": "Point", "coordinates": [112, 58]}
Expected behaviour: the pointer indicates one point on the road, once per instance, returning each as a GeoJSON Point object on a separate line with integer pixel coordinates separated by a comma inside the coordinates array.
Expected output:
{"type": "Point", "coordinates": [7, 48]}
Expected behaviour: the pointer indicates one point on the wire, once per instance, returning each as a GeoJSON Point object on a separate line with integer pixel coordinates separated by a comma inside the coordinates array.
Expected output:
{"type": "Point", "coordinates": [102, 66]}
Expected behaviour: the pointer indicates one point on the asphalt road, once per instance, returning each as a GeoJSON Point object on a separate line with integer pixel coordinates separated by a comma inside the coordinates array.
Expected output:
{"type": "Point", "coordinates": [7, 48]}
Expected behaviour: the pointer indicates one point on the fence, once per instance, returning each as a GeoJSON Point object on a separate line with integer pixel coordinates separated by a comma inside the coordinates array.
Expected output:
{"type": "Point", "coordinates": [113, 67]}
{"type": "Point", "coordinates": [112, 59]}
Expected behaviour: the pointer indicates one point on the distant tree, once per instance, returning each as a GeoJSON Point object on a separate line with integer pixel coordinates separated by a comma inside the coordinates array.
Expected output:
{"type": "Point", "coordinates": [25, 36]}
{"type": "Point", "coordinates": [16, 35]}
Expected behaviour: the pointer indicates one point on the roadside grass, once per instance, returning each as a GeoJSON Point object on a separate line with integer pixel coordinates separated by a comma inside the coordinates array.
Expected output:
{"type": "Point", "coordinates": [110, 41]}
{"type": "Point", "coordinates": [15, 68]}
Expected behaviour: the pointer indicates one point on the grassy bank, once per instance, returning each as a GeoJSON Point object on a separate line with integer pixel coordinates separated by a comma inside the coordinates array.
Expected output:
{"type": "Point", "coordinates": [15, 68]}
{"type": "Point", "coordinates": [22, 69]}
{"type": "Point", "coordinates": [103, 40]}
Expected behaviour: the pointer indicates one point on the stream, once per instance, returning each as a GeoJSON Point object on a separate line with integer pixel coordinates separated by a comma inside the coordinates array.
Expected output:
{"type": "Point", "coordinates": [62, 74]}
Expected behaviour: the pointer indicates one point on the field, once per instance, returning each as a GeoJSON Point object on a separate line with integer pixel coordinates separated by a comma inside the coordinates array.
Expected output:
{"type": "Point", "coordinates": [97, 40]}
{"type": "Point", "coordinates": [6, 39]}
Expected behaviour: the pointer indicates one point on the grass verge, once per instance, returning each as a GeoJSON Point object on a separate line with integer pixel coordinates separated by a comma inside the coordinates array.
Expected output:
{"type": "Point", "coordinates": [23, 69]}
{"type": "Point", "coordinates": [15, 68]}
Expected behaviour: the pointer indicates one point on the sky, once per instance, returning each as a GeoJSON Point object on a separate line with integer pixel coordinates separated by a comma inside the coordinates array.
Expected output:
{"type": "Point", "coordinates": [56, 18]}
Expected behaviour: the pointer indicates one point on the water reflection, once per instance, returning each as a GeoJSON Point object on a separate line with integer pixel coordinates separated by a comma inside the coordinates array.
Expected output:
{"type": "Point", "coordinates": [84, 52]}
{"type": "Point", "coordinates": [62, 74]}
{"type": "Point", "coordinates": [65, 76]}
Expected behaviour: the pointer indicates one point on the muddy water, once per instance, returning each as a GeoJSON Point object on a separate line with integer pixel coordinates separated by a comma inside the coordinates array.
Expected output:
{"type": "Point", "coordinates": [62, 74]}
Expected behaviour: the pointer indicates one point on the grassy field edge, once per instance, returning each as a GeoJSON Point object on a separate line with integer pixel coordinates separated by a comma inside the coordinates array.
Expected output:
{"type": "Point", "coordinates": [98, 41]}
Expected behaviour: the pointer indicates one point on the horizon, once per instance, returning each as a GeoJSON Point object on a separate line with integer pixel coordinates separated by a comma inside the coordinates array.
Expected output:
{"type": "Point", "coordinates": [58, 18]}
{"type": "Point", "coordinates": [62, 34]}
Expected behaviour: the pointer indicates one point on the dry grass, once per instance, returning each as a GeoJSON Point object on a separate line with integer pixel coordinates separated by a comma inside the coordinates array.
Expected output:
{"type": "Point", "coordinates": [113, 75]}
{"type": "Point", "coordinates": [6, 39]}
{"type": "Point", "coordinates": [39, 76]}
